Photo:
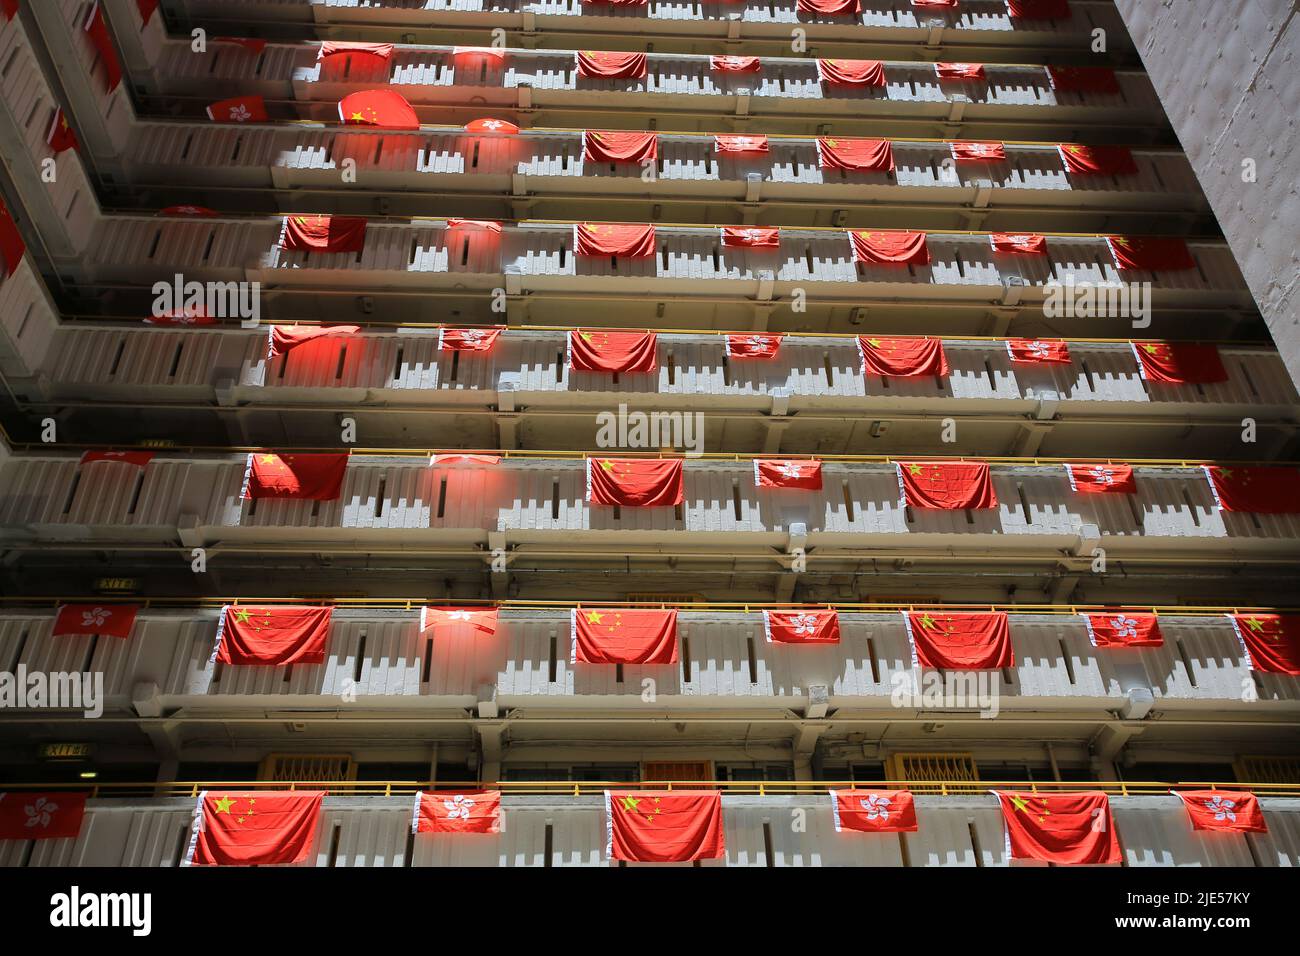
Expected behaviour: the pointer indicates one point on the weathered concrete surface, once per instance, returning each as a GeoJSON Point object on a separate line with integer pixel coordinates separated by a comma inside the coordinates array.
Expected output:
{"type": "Point", "coordinates": [1228, 73]}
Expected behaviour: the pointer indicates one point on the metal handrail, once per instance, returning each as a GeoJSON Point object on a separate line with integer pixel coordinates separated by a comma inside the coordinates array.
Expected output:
{"type": "Point", "coordinates": [578, 788]}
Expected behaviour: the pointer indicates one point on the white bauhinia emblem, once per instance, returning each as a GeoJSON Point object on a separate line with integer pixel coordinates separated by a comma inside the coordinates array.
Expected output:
{"type": "Point", "coordinates": [1039, 350]}
{"type": "Point", "coordinates": [459, 807]}
{"type": "Point", "coordinates": [791, 469]}
{"type": "Point", "coordinates": [95, 617]}
{"type": "Point", "coordinates": [1223, 809]}
{"type": "Point", "coordinates": [240, 113]}
{"type": "Point", "coordinates": [804, 624]}
{"type": "Point", "coordinates": [1103, 476]}
{"type": "Point", "coordinates": [473, 335]}
{"type": "Point", "coordinates": [876, 806]}
{"type": "Point", "coordinates": [492, 124]}
{"type": "Point", "coordinates": [1124, 626]}
{"type": "Point", "coordinates": [756, 342]}
{"type": "Point", "coordinates": [460, 616]}
{"type": "Point", "coordinates": [1018, 239]}
{"type": "Point", "coordinates": [40, 813]}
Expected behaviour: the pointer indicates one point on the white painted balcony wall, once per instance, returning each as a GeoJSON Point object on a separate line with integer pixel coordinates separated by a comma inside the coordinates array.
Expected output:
{"type": "Point", "coordinates": [952, 831]}
{"type": "Point", "coordinates": [381, 658]}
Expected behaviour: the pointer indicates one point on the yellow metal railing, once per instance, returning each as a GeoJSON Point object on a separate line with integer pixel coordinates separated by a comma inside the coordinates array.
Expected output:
{"type": "Point", "coordinates": [575, 788]}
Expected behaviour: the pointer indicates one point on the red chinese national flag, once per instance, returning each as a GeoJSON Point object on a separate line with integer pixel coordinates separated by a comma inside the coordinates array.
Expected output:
{"type": "Point", "coordinates": [948, 485]}
{"type": "Point", "coordinates": [97, 31]}
{"type": "Point", "coordinates": [623, 636]}
{"type": "Point", "coordinates": [324, 233]}
{"type": "Point", "coordinates": [1230, 811]}
{"type": "Point", "coordinates": [1102, 479]}
{"type": "Point", "coordinates": [1179, 363]}
{"type": "Point", "coordinates": [592, 350]}
{"type": "Point", "coordinates": [788, 473]}
{"type": "Point", "coordinates": [467, 340]}
{"type": "Point", "coordinates": [664, 826]}
{"type": "Point", "coordinates": [738, 143]}
{"type": "Point", "coordinates": [1098, 160]}
{"type": "Point", "coordinates": [137, 459]}
{"type": "Point", "coordinates": [1150, 253]}
{"type": "Point", "coordinates": [41, 816]}
{"type": "Point", "coordinates": [286, 338]}
{"type": "Point", "coordinates": [1083, 79]}
{"type": "Point", "coordinates": [1018, 243]}
{"type": "Point", "coordinates": [611, 66]}
{"type": "Point", "coordinates": [254, 828]}
{"type": "Point", "coordinates": [635, 482]}
{"type": "Point", "coordinates": [753, 345]}
{"type": "Point", "coordinates": [959, 71]}
{"type": "Point", "coordinates": [110, 620]}
{"type": "Point", "coordinates": [382, 109]}
{"type": "Point", "coordinates": [239, 109]}
{"type": "Point", "coordinates": [457, 811]}
{"type": "Point", "coordinates": [965, 152]}
{"type": "Point", "coordinates": [1071, 828]}
{"type": "Point", "coordinates": [1038, 9]}
{"type": "Point", "coordinates": [1271, 490]}
{"type": "Point", "coordinates": [855, 155]}
{"type": "Point", "coordinates": [272, 636]}
{"type": "Point", "coordinates": [60, 136]}
{"type": "Point", "coordinates": [830, 8]}
{"type": "Point", "coordinates": [632, 240]}
{"type": "Point", "coordinates": [12, 246]}
{"type": "Point", "coordinates": [851, 72]}
{"type": "Point", "coordinates": [379, 51]}
{"type": "Point", "coordinates": [874, 811]}
{"type": "Point", "coordinates": [893, 248]}
{"type": "Point", "coordinates": [1122, 628]}
{"type": "Point", "coordinates": [1271, 642]}
{"type": "Point", "coordinates": [735, 64]}
{"type": "Point", "coordinates": [310, 477]}
{"type": "Point", "coordinates": [965, 641]}
{"type": "Point", "coordinates": [801, 627]}
{"type": "Point", "coordinates": [901, 357]}
{"type": "Point", "coordinates": [483, 619]}
{"type": "Point", "coordinates": [619, 147]}
{"type": "Point", "coordinates": [751, 237]}
{"type": "Point", "coordinates": [1038, 351]}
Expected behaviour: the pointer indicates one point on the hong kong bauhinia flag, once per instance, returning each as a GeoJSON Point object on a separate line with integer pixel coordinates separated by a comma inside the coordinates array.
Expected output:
{"type": "Point", "coordinates": [1097, 160]}
{"type": "Point", "coordinates": [754, 144]}
{"type": "Point", "coordinates": [751, 237]}
{"type": "Point", "coordinates": [1179, 363]}
{"type": "Point", "coordinates": [1038, 9]}
{"type": "Point", "coordinates": [851, 72]}
{"type": "Point", "coordinates": [1018, 243]}
{"type": "Point", "coordinates": [964, 152]}
{"type": "Point", "coordinates": [380, 51]}
{"type": "Point", "coordinates": [254, 828]}
{"type": "Point", "coordinates": [382, 109]}
{"type": "Point", "coordinates": [26, 815]}
{"type": "Point", "coordinates": [594, 64]}
{"type": "Point", "coordinates": [137, 459]}
{"type": "Point", "coordinates": [830, 8]}
{"type": "Point", "coordinates": [1151, 253]}
{"type": "Point", "coordinates": [239, 109]}
{"type": "Point", "coordinates": [592, 350]}
{"type": "Point", "coordinates": [308, 477]}
{"type": "Point", "coordinates": [889, 247]}
{"type": "Point", "coordinates": [755, 345]}
{"type": "Point", "coordinates": [874, 811]}
{"type": "Point", "coordinates": [1264, 490]}
{"type": "Point", "coordinates": [630, 240]}
{"type": "Point", "coordinates": [1069, 828]}
{"type": "Point", "coordinates": [855, 155]}
{"type": "Point", "coordinates": [286, 338]}
{"type": "Point", "coordinates": [1083, 79]}
{"type": "Point", "coordinates": [324, 233]}
{"type": "Point", "coordinates": [1123, 628]}
{"type": "Point", "coordinates": [623, 636]}
{"type": "Point", "coordinates": [272, 636]}
{"type": "Point", "coordinates": [110, 620]}
{"type": "Point", "coordinates": [947, 485]}
{"type": "Point", "coordinates": [1108, 479]}
{"type": "Point", "coordinates": [635, 482]}
{"type": "Point", "coordinates": [735, 64]}
{"type": "Point", "coordinates": [467, 340]}
{"type": "Point", "coordinates": [1271, 642]}
{"type": "Point", "coordinates": [804, 474]}
{"type": "Point", "coordinates": [1038, 351]}
{"type": "Point", "coordinates": [457, 811]}
{"type": "Point", "coordinates": [901, 357]}
{"type": "Point", "coordinates": [481, 619]}
{"type": "Point", "coordinates": [1229, 811]}
{"type": "Point", "coordinates": [663, 826]}
{"type": "Point", "coordinates": [961, 641]}
{"type": "Point", "coordinates": [959, 71]}
{"type": "Point", "coordinates": [619, 147]}
{"type": "Point", "coordinates": [801, 627]}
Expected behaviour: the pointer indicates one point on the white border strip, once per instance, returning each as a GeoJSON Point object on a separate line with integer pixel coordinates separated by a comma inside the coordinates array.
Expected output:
{"type": "Point", "coordinates": [609, 828]}
{"type": "Point", "coordinates": [835, 810]}
{"type": "Point", "coordinates": [1236, 629]}
{"type": "Point", "coordinates": [573, 635]}
{"type": "Point", "coordinates": [902, 492]}
{"type": "Point", "coordinates": [767, 626]}
{"type": "Point", "coordinates": [1209, 479]}
{"type": "Point", "coordinates": [248, 477]}
{"type": "Point", "coordinates": [415, 814]}
{"type": "Point", "coordinates": [221, 633]}
{"type": "Point", "coordinates": [196, 827]}
{"type": "Point", "coordinates": [911, 640]}
{"type": "Point", "coordinates": [1087, 622]}
{"type": "Point", "coordinates": [1069, 476]}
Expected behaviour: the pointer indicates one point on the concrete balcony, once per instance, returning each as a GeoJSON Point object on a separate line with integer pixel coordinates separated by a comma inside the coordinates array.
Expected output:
{"type": "Point", "coordinates": [570, 831]}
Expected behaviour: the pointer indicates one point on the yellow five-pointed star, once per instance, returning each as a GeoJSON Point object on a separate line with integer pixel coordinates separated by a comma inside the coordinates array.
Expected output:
{"type": "Point", "coordinates": [594, 617]}
{"type": "Point", "coordinates": [914, 469]}
{"type": "Point", "coordinates": [1019, 803]}
{"type": "Point", "coordinates": [241, 615]}
{"type": "Point", "coordinates": [224, 804]}
{"type": "Point", "coordinates": [357, 116]}
{"type": "Point", "coordinates": [1255, 624]}
{"type": "Point", "coordinates": [927, 620]}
